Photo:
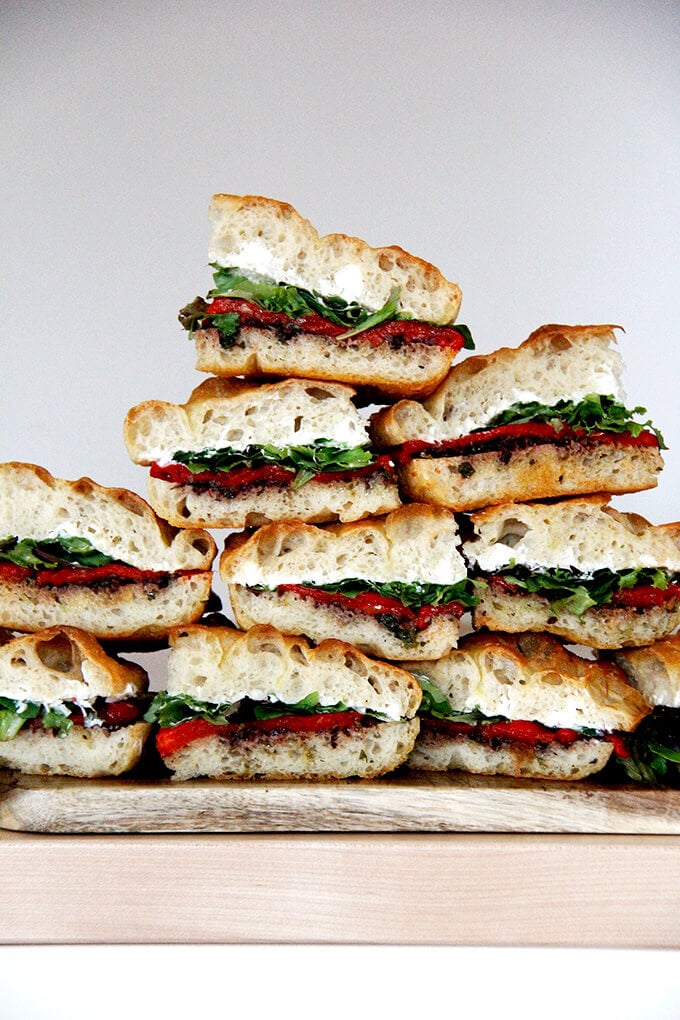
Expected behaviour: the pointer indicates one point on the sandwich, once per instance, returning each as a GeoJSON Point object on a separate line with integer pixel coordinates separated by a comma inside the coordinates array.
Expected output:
{"type": "Point", "coordinates": [394, 586]}
{"type": "Point", "coordinates": [654, 748]}
{"type": "Point", "coordinates": [239, 454]}
{"type": "Point", "coordinates": [67, 708]}
{"type": "Point", "coordinates": [76, 553]}
{"type": "Point", "coordinates": [287, 302]}
{"type": "Point", "coordinates": [522, 705]}
{"type": "Point", "coordinates": [576, 568]}
{"type": "Point", "coordinates": [261, 703]}
{"type": "Point", "coordinates": [543, 420]}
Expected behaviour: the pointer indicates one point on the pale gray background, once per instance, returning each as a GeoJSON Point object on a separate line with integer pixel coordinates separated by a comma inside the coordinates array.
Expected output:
{"type": "Point", "coordinates": [530, 150]}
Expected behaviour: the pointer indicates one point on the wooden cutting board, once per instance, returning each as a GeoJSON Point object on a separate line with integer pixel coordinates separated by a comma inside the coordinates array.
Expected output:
{"type": "Point", "coordinates": [401, 802]}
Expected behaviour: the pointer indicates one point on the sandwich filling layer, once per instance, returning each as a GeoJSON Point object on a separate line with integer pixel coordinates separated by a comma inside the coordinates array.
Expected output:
{"type": "Point", "coordinates": [241, 300]}
{"type": "Point", "coordinates": [183, 719]}
{"type": "Point", "coordinates": [439, 717]}
{"type": "Point", "coordinates": [60, 717]}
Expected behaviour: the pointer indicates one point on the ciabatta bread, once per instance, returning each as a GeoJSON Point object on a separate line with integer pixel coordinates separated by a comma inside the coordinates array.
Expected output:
{"type": "Point", "coordinates": [270, 238]}
{"type": "Point", "coordinates": [530, 677]}
{"type": "Point", "coordinates": [412, 544]}
{"type": "Point", "coordinates": [118, 523]}
{"type": "Point", "coordinates": [66, 664]}
{"type": "Point", "coordinates": [583, 535]}
{"type": "Point", "coordinates": [225, 413]}
{"type": "Point", "coordinates": [555, 363]}
{"type": "Point", "coordinates": [654, 670]}
{"type": "Point", "coordinates": [222, 665]}
{"type": "Point", "coordinates": [219, 664]}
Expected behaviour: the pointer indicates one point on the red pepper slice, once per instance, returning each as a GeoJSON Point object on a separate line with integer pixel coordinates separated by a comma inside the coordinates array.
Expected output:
{"type": "Point", "coordinates": [13, 572]}
{"type": "Point", "coordinates": [405, 330]}
{"type": "Point", "coordinates": [86, 575]}
{"type": "Point", "coordinates": [521, 731]}
{"type": "Point", "coordinates": [374, 604]}
{"type": "Point", "coordinates": [173, 738]}
{"type": "Point", "coordinates": [519, 430]}
{"type": "Point", "coordinates": [273, 474]}
{"type": "Point", "coordinates": [646, 596]}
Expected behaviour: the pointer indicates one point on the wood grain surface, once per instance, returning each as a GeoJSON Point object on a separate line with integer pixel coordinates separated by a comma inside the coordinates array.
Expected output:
{"type": "Point", "coordinates": [404, 888]}
{"type": "Point", "coordinates": [402, 802]}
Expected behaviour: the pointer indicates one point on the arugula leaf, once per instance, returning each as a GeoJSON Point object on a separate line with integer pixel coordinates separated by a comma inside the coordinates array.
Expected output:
{"type": "Point", "coordinates": [49, 554]}
{"type": "Point", "coordinates": [468, 341]}
{"type": "Point", "coordinates": [384, 314]}
{"type": "Point", "coordinates": [172, 709]}
{"type": "Point", "coordinates": [413, 596]}
{"type": "Point", "coordinates": [316, 458]}
{"type": "Point", "coordinates": [13, 715]}
{"type": "Point", "coordinates": [594, 413]}
{"type": "Point", "coordinates": [655, 749]}
{"type": "Point", "coordinates": [575, 592]}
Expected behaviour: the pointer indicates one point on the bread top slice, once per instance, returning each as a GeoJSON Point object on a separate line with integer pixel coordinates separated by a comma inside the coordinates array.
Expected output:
{"type": "Point", "coordinates": [654, 670]}
{"type": "Point", "coordinates": [218, 664]}
{"type": "Point", "coordinates": [533, 677]}
{"type": "Point", "coordinates": [263, 236]}
{"type": "Point", "coordinates": [232, 412]}
{"type": "Point", "coordinates": [65, 664]}
{"type": "Point", "coordinates": [554, 363]}
{"type": "Point", "coordinates": [411, 544]}
{"type": "Point", "coordinates": [117, 522]}
{"type": "Point", "coordinates": [583, 534]}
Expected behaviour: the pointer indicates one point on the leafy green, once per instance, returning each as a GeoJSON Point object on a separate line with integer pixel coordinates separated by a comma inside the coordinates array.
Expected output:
{"type": "Point", "coordinates": [435, 703]}
{"type": "Point", "coordinates": [307, 461]}
{"type": "Point", "coordinates": [49, 554]}
{"type": "Point", "coordinates": [595, 412]}
{"type": "Point", "coordinates": [173, 709]}
{"type": "Point", "coordinates": [655, 749]}
{"type": "Point", "coordinates": [13, 715]}
{"type": "Point", "coordinates": [574, 592]}
{"type": "Point", "coordinates": [413, 596]}
{"type": "Point", "coordinates": [468, 341]}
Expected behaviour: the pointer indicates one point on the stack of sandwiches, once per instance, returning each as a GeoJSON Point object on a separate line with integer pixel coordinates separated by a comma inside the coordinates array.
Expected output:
{"type": "Point", "coordinates": [423, 569]}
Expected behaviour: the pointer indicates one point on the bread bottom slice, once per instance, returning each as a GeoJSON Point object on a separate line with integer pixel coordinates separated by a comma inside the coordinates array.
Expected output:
{"type": "Point", "coordinates": [413, 369]}
{"type": "Point", "coordinates": [314, 502]}
{"type": "Point", "coordinates": [84, 752]}
{"type": "Point", "coordinates": [143, 610]}
{"type": "Point", "coordinates": [331, 754]}
{"type": "Point", "coordinates": [603, 628]}
{"type": "Point", "coordinates": [472, 481]}
{"type": "Point", "coordinates": [436, 752]}
{"type": "Point", "coordinates": [295, 614]}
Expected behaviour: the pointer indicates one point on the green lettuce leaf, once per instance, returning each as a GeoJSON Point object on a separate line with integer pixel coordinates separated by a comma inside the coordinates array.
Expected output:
{"type": "Point", "coordinates": [413, 596]}
{"type": "Point", "coordinates": [13, 715]}
{"type": "Point", "coordinates": [307, 461]}
{"type": "Point", "coordinates": [595, 413]}
{"type": "Point", "coordinates": [655, 749]}
{"type": "Point", "coordinates": [172, 709]}
{"type": "Point", "coordinates": [574, 592]}
{"type": "Point", "coordinates": [49, 554]}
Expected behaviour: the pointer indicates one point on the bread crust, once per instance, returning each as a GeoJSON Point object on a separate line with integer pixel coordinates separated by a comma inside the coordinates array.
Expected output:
{"type": "Point", "coordinates": [654, 670]}
{"type": "Point", "coordinates": [296, 614]}
{"type": "Point", "coordinates": [86, 753]}
{"type": "Point", "coordinates": [245, 229]}
{"type": "Point", "coordinates": [64, 664]}
{"type": "Point", "coordinates": [602, 628]}
{"type": "Point", "coordinates": [413, 543]}
{"type": "Point", "coordinates": [436, 752]}
{"type": "Point", "coordinates": [556, 361]}
{"type": "Point", "coordinates": [412, 370]}
{"type": "Point", "coordinates": [118, 522]}
{"type": "Point", "coordinates": [533, 677]}
{"type": "Point", "coordinates": [334, 754]}
{"type": "Point", "coordinates": [543, 471]}
{"type": "Point", "coordinates": [219, 664]}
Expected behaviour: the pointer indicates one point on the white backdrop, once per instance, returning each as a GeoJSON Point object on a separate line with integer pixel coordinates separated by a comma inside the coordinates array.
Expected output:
{"type": "Point", "coordinates": [530, 150]}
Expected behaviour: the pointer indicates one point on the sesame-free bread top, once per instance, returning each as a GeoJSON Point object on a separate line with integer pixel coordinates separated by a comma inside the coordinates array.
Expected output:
{"type": "Point", "coordinates": [232, 412]}
{"type": "Point", "coordinates": [218, 664]}
{"type": "Point", "coordinates": [555, 363]}
{"type": "Point", "coordinates": [582, 534]}
{"type": "Point", "coordinates": [413, 543]}
{"type": "Point", "coordinates": [654, 670]}
{"type": "Point", "coordinates": [268, 237]}
{"type": "Point", "coordinates": [65, 664]}
{"type": "Point", "coordinates": [533, 677]}
{"type": "Point", "coordinates": [117, 522]}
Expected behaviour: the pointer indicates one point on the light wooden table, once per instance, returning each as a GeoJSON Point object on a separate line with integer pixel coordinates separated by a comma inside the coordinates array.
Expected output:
{"type": "Point", "coordinates": [415, 888]}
